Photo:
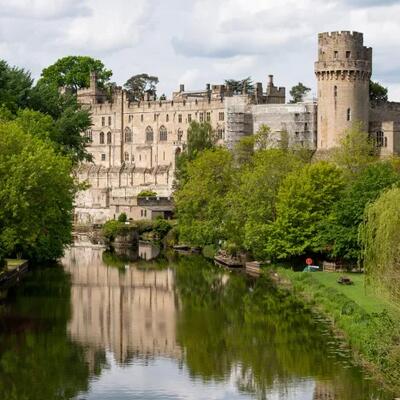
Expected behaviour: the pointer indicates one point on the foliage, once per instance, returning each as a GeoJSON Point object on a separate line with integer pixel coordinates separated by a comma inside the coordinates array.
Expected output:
{"type": "Point", "coordinates": [15, 84]}
{"type": "Point", "coordinates": [304, 204]}
{"type": "Point", "coordinates": [209, 251]}
{"type": "Point", "coordinates": [138, 85]}
{"type": "Point", "coordinates": [349, 210]}
{"type": "Point", "coordinates": [377, 93]}
{"type": "Point", "coordinates": [201, 200]}
{"type": "Point", "coordinates": [113, 228]}
{"type": "Point", "coordinates": [122, 217]}
{"type": "Point", "coordinates": [73, 73]}
{"type": "Point", "coordinates": [240, 86]}
{"type": "Point", "coordinates": [161, 227]}
{"type": "Point", "coordinates": [298, 92]}
{"type": "Point", "coordinates": [147, 193]}
{"type": "Point", "coordinates": [356, 150]}
{"type": "Point", "coordinates": [36, 196]}
{"type": "Point", "coordinates": [380, 238]}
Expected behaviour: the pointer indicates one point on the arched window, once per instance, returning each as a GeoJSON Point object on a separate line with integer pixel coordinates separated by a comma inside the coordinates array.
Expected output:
{"type": "Point", "coordinates": [126, 156]}
{"type": "Point", "coordinates": [108, 137]}
{"type": "Point", "coordinates": [380, 139]}
{"type": "Point", "coordinates": [101, 137]}
{"type": "Point", "coordinates": [149, 134]}
{"type": "Point", "coordinates": [163, 134]}
{"type": "Point", "coordinates": [349, 114]}
{"type": "Point", "coordinates": [128, 135]}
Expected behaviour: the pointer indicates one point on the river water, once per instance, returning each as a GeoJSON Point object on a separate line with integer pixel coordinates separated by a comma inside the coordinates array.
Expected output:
{"type": "Point", "coordinates": [101, 327]}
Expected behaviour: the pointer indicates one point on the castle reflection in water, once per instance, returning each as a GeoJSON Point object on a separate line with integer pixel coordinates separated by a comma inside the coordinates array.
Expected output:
{"type": "Point", "coordinates": [130, 312]}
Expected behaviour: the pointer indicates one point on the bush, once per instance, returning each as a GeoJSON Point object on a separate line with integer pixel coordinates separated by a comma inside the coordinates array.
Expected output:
{"type": "Point", "coordinates": [209, 251]}
{"type": "Point", "coordinates": [147, 193]}
{"type": "Point", "coordinates": [122, 218]}
{"type": "Point", "coordinates": [113, 228]}
{"type": "Point", "coordinates": [172, 237]}
{"type": "Point", "coordinates": [161, 227]}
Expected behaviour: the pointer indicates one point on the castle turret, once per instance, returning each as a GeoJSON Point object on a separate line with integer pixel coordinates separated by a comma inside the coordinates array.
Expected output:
{"type": "Point", "coordinates": [343, 71]}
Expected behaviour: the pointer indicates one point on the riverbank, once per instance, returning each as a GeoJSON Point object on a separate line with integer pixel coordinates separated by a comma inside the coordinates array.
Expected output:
{"type": "Point", "coordinates": [369, 323]}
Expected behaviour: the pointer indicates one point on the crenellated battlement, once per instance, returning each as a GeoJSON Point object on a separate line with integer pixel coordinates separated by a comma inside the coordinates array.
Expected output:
{"type": "Point", "coordinates": [343, 35]}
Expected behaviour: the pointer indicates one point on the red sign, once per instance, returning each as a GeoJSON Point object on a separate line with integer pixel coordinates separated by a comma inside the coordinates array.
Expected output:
{"type": "Point", "coordinates": [309, 261]}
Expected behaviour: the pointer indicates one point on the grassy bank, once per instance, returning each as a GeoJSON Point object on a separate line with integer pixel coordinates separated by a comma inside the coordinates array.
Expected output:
{"type": "Point", "coordinates": [368, 321]}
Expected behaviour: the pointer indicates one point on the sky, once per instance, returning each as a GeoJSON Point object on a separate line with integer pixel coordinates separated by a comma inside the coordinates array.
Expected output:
{"type": "Point", "coordinates": [195, 42]}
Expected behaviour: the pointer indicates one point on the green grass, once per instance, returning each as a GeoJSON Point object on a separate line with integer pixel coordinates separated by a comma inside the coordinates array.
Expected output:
{"type": "Point", "coordinates": [365, 296]}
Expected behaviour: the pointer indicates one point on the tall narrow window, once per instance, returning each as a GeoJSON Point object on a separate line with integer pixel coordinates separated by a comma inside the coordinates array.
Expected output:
{"type": "Point", "coordinates": [221, 116]}
{"type": "Point", "coordinates": [101, 137]}
{"type": "Point", "coordinates": [109, 121]}
{"type": "Point", "coordinates": [149, 134]}
{"type": "Point", "coordinates": [163, 134]}
{"type": "Point", "coordinates": [128, 135]}
{"type": "Point", "coordinates": [141, 118]}
{"type": "Point", "coordinates": [108, 137]}
{"type": "Point", "coordinates": [189, 118]}
{"type": "Point", "coordinates": [348, 54]}
{"type": "Point", "coordinates": [167, 118]}
{"type": "Point", "coordinates": [103, 121]}
{"type": "Point", "coordinates": [349, 114]}
{"type": "Point", "coordinates": [380, 139]}
{"type": "Point", "coordinates": [180, 134]}
{"type": "Point", "coordinates": [126, 156]}
{"type": "Point", "coordinates": [180, 118]}
{"type": "Point", "coordinates": [201, 117]}
{"type": "Point", "coordinates": [335, 91]}
{"type": "Point", "coordinates": [208, 117]}
{"type": "Point", "coordinates": [335, 54]}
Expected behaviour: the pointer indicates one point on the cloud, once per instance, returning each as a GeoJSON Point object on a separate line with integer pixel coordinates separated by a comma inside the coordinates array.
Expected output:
{"type": "Point", "coordinates": [371, 3]}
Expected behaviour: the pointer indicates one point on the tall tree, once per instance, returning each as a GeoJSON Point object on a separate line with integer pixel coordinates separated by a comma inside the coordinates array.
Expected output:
{"type": "Point", "coordinates": [15, 85]}
{"type": "Point", "coordinates": [377, 93]}
{"type": "Point", "coordinates": [240, 86]}
{"type": "Point", "coordinates": [73, 72]}
{"type": "Point", "coordinates": [138, 85]}
{"type": "Point", "coordinates": [36, 196]}
{"type": "Point", "coordinates": [298, 92]}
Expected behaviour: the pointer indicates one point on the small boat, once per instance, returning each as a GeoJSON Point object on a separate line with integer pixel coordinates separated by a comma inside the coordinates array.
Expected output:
{"type": "Point", "coordinates": [225, 261]}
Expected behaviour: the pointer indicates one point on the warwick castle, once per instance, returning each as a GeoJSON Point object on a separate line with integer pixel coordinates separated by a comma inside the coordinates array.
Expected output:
{"type": "Point", "coordinates": [134, 144]}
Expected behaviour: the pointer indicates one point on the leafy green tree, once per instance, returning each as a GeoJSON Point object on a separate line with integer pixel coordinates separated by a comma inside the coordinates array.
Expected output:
{"type": "Point", "coordinates": [251, 201]}
{"type": "Point", "coordinates": [377, 93]}
{"type": "Point", "coordinates": [240, 86]}
{"type": "Point", "coordinates": [122, 218]}
{"type": "Point", "coordinates": [73, 72]}
{"type": "Point", "coordinates": [304, 204]}
{"type": "Point", "coordinates": [298, 92]}
{"type": "Point", "coordinates": [200, 201]}
{"type": "Point", "coordinates": [380, 239]}
{"type": "Point", "coordinates": [356, 150]}
{"type": "Point", "coordinates": [36, 196]}
{"type": "Point", "coordinates": [348, 212]}
{"type": "Point", "coordinates": [138, 85]}
{"type": "Point", "coordinates": [15, 85]}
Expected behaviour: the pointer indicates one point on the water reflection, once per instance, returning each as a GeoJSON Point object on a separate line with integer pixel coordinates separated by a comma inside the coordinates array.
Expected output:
{"type": "Point", "coordinates": [121, 328]}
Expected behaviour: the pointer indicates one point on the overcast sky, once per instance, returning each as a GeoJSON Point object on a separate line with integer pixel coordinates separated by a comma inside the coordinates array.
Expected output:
{"type": "Point", "coordinates": [198, 41]}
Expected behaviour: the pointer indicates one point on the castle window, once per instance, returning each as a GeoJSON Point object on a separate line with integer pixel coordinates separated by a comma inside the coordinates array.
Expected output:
{"type": "Point", "coordinates": [109, 121]}
{"type": "Point", "coordinates": [380, 139]}
{"type": "Point", "coordinates": [349, 114]}
{"type": "Point", "coordinates": [189, 118]}
{"type": "Point", "coordinates": [221, 116]}
{"type": "Point", "coordinates": [141, 118]}
{"type": "Point", "coordinates": [208, 117]}
{"type": "Point", "coordinates": [306, 126]}
{"type": "Point", "coordinates": [126, 156]}
{"type": "Point", "coordinates": [201, 117]}
{"type": "Point", "coordinates": [220, 133]}
{"type": "Point", "coordinates": [101, 137]}
{"type": "Point", "coordinates": [335, 91]}
{"type": "Point", "coordinates": [149, 134]}
{"type": "Point", "coordinates": [164, 155]}
{"type": "Point", "coordinates": [180, 118]}
{"type": "Point", "coordinates": [103, 157]}
{"type": "Point", "coordinates": [335, 54]}
{"type": "Point", "coordinates": [348, 54]}
{"type": "Point", "coordinates": [103, 121]}
{"type": "Point", "coordinates": [155, 117]}
{"type": "Point", "coordinates": [128, 135]}
{"type": "Point", "coordinates": [130, 118]}
{"type": "Point", "coordinates": [167, 118]}
{"type": "Point", "coordinates": [385, 142]}
{"type": "Point", "coordinates": [108, 137]}
{"type": "Point", "coordinates": [180, 134]}
{"type": "Point", "coordinates": [163, 134]}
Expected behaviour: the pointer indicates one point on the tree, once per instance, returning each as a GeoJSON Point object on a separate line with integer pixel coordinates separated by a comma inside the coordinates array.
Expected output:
{"type": "Point", "coordinates": [356, 150]}
{"type": "Point", "coordinates": [348, 212]}
{"type": "Point", "coordinates": [304, 204]}
{"type": "Point", "coordinates": [36, 196]}
{"type": "Point", "coordinates": [138, 85]}
{"type": "Point", "coordinates": [251, 201]}
{"type": "Point", "coordinates": [240, 86]}
{"type": "Point", "coordinates": [200, 201]}
{"type": "Point", "coordinates": [380, 239]}
{"type": "Point", "coordinates": [15, 85]}
{"type": "Point", "coordinates": [298, 92]}
{"type": "Point", "coordinates": [377, 93]}
{"type": "Point", "coordinates": [73, 73]}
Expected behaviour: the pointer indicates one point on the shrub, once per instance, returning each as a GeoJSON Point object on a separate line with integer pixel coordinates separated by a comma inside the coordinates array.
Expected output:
{"type": "Point", "coordinates": [122, 218]}
{"type": "Point", "coordinates": [147, 193]}
{"type": "Point", "coordinates": [161, 227]}
{"type": "Point", "coordinates": [113, 228]}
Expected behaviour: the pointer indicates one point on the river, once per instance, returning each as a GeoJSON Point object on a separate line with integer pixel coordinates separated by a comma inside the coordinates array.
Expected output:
{"type": "Point", "coordinates": [100, 327]}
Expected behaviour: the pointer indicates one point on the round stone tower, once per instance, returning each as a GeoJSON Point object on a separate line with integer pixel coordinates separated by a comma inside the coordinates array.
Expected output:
{"type": "Point", "coordinates": [343, 72]}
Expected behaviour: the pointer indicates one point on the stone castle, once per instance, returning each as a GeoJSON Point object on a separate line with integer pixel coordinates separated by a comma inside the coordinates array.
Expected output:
{"type": "Point", "coordinates": [134, 144]}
